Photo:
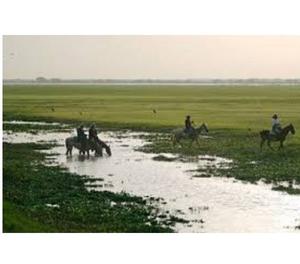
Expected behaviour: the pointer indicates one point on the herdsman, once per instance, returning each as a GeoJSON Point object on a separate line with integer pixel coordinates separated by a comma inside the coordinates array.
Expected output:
{"type": "Point", "coordinates": [81, 135]}
{"type": "Point", "coordinates": [93, 134]}
{"type": "Point", "coordinates": [188, 125]}
{"type": "Point", "coordinates": [276, 126]}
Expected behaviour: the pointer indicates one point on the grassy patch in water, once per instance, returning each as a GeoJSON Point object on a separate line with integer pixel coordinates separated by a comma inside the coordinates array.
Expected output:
{"type": "Point", "coordinates": [32, 128]}
{"type": "Point", "coordinates": [38, 198]}
{"type": "Point", "coordinates": [164, 158]}
{"type": "Point", "coordinates": [289, 190]}
{"type": "Point", "coordinates": [249, 163]}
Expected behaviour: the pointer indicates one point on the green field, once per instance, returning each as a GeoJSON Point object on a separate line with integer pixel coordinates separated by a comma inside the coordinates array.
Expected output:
{"type": "Point", "coordinates": [219, 106]}
{"type": "Point", "coordinates": [234, 116]}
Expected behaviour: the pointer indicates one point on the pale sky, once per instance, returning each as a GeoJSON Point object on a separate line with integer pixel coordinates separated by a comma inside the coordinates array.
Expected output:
{"type": "Point", "coordinates": [161, 57]}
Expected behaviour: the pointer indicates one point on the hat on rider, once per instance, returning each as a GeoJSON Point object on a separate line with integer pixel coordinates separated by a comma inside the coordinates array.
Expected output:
{"type": "Point", "coordinates": [275, 116]}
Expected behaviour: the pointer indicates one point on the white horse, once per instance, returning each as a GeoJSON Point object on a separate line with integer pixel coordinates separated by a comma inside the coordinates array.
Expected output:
{"type": "Point", "coordinates": [180, 133]}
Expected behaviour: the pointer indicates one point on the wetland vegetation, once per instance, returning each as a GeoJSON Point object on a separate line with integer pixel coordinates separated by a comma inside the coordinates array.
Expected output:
{"type": "Point", "coordinates": [234, 116]}
{"type": "Point", "coordinates": [40, 198]}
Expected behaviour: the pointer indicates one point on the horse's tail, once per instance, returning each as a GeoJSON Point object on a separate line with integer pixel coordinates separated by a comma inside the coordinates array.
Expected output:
{"type": "Point", "coordinates": [69, 145]}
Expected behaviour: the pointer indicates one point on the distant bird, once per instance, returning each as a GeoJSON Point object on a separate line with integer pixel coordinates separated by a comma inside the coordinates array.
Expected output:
{"type": "Point", "coordinates": [154, 111]}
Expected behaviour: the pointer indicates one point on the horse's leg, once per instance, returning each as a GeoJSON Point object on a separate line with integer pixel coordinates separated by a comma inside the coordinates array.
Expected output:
{"type": "Point", "coordinates": [198, 143]}
{"type": "Point", "coordinates": [192, 141]}
{"type": "Point", "coordinates": [177, 140]}
{"type": "Point", "coordinates": [281, 145]}
{"type": "Point", "coordinates": [102, 145]}
{"type": "Point", "coordinates": [180, 143]}
{"type": "Point", "coordinates": [107, 149]}
{"type": "Point", "coordinates": [88, 153]}
{"type": "Point", "coordinates": [69, 151]}
{"type": "Point", "coordinates": [173, 139]}
{"type": "Point", "coordinates": [262, 143]}
{"type": "Point", "coordinates": [269, 145]}
{"type": "Point", "coordinates": [68, 147]}
{"type": "Point", "coordinates": [99, 150]}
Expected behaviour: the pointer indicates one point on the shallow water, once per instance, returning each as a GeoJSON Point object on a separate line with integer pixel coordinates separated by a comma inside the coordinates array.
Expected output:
{"type": "Point", "coordinates": [212, 204]}
{"type": "Point", "coordinates": [18, 122]}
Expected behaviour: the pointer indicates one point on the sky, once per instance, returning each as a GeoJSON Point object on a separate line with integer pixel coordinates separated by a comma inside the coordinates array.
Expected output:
{"type": "Point", "coordinates": [155, 57]}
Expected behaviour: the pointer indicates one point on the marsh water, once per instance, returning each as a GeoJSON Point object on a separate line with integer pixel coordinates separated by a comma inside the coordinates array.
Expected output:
{"type": "Point", "coordinates": [212, 204]}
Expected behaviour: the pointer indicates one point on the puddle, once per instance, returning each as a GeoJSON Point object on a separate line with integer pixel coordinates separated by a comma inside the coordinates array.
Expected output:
{"type": "Point", "coordinates": [211, 204]}
{"type": "Point", "coordinates": [17, 122]}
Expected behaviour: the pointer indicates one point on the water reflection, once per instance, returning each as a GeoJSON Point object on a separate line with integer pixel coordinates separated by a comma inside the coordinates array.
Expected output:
{"type": "Point", "coordinates": [211, 204]}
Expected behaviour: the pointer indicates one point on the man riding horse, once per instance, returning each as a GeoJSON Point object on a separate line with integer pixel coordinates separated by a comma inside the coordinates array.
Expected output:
{"type": "Point", "coordinates": [276, 126]}
{"type": "Point", "coordinates": [277, 133]}
{"type": "Point", "coordinates": [189, 129]}
{"type": "Point", "coordinates": [93, 135]}
{"type": "Point", "coordinates": [81, 136]}
{"type": "Point", "coordinates": [188, 132]}
{"type": "Point", "coordinates": [85, 144]}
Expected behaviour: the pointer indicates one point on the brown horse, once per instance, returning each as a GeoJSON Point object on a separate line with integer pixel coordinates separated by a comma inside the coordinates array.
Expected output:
{"type": "Point", "coordinates": [89, 145]}
{"type": "Point", "coordinates": [266, 136]}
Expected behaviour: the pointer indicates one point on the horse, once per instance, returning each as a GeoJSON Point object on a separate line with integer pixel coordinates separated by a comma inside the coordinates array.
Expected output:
{"type": "Point", "coordinates": [84, 147]}
{"type": "Point", "coordinates": [180, 133]}
{"type": "Point", "coordinates": [266, 136]}
{"type": "Point", "coordinates": [103, 145]}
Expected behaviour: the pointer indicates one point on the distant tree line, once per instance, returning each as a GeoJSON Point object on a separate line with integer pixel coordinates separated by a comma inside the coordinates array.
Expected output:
{"type": "Point", "coordinates": [41, 80]}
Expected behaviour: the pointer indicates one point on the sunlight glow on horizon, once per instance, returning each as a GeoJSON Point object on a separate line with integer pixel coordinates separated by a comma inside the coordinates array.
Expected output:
{"type": "Point", "coordinates": [153, 57]}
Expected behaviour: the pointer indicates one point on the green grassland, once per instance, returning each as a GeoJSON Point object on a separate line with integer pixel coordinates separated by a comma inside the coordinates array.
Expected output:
{"type": "Point", "coordinates": [234, 116]}
{"type": "Point", "coordinates": [231, 107]}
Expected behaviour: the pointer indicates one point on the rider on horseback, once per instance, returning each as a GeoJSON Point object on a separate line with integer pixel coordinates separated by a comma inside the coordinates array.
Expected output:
{"type": "Point", "coordinates": [93, 136]}
{"type": "Point", "coordinates": [80, 134]}
{"type": "Point", "coordinates": [188, 125]}
{"type": "Point", "coordinates": [276, 127]}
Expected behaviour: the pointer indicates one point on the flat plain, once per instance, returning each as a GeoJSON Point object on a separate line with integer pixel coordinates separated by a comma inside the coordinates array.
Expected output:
{"type": "Point", "coordinates": [233, 114]}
